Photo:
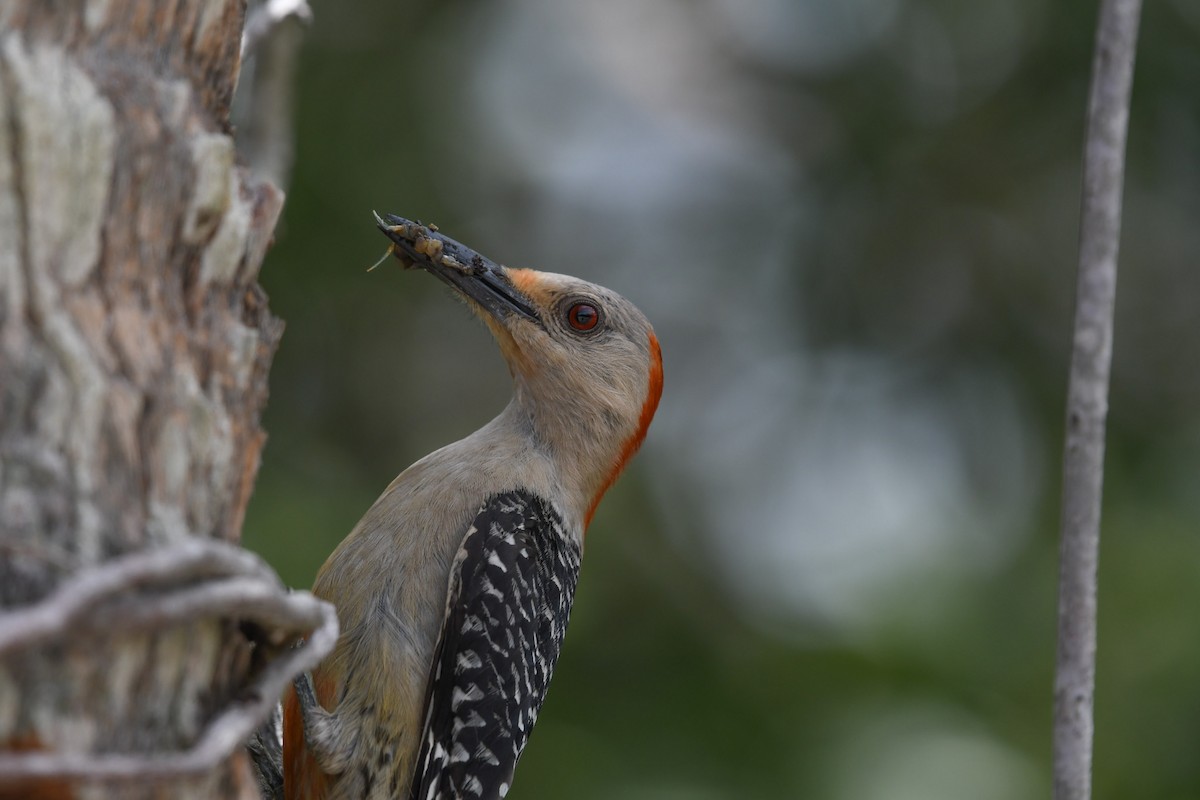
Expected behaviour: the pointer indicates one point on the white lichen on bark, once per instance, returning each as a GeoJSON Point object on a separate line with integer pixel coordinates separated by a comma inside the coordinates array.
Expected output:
{"type": "Point", "coordinates": [64, 142]}
{"type": "Point", "coordinates": [67, 137]}
{"type": "Point", "coordinates": [213, 160]}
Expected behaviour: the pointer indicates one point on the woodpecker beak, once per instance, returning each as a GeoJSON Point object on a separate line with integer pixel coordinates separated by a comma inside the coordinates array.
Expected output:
{"type": "Point", "coordinates": [479, 278]}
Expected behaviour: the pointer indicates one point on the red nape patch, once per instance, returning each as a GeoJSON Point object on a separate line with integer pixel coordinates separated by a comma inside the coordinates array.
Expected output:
{"type": "Point", "coordinates": [649, 406]}
{"type": "Point", "coordinates": [302, 778]}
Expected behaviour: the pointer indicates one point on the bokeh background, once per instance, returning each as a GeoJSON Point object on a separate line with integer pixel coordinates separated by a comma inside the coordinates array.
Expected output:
{"type": "Point", "coordinates": [830, 573]}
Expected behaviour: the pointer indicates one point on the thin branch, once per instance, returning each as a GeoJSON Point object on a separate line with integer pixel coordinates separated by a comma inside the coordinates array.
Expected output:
{"type": "Point", "coordinates": [285, 616]}
{"type": "Point", "coordinates": [264, 19]}
{"type": "Point", "coordinates": [264, 106]}
{"type": "Point", "coordinates": [1087, 395]}
{"type": "Point", "coordinates": [239, 586]}
{"type": "Point", "coordinates": [191, 560]}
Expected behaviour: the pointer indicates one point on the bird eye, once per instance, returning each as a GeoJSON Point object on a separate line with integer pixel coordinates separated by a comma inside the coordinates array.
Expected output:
{"type": "Point", "coordinates": [583, 316]}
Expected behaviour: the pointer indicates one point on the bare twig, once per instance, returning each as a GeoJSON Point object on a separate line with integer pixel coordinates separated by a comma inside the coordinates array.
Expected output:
{"type": "Point", "coordinates": [192, 560]}
{"type": "Point", "coordinates": [267, 17]}
{"type": "Point", "coordinates": [270, 48]}
{"type": "Point", "coordinates": [236, 584]}
{"type": "Point", "coordinates": [1087, 395]}
{"type": "Point", "coordinates": [285, 616]}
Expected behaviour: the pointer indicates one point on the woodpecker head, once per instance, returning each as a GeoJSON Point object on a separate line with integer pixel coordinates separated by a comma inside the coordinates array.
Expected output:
{"type": "Point", "coordinates": [586, 366]}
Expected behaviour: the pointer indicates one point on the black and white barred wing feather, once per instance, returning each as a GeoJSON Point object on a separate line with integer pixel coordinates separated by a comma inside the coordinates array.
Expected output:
{"type": "Point", "coordinates": [510, 594]}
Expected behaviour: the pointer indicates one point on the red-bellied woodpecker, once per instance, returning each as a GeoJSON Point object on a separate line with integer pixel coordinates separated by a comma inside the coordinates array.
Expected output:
{"type": "Point", "coordinates": [454, 589]}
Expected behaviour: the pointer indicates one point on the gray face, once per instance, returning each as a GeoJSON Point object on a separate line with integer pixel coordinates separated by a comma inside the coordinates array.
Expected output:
{"type": "Point", "coordinates": [589, 372]}
{"type": "Point", "coordinates": [589, 342]}
{"type": "Point", "coordinates": [585, 361]}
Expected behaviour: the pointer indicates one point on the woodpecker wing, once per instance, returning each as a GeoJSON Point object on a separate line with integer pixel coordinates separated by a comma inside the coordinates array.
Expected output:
{"type": "Point", "coordinates": [511, 588]}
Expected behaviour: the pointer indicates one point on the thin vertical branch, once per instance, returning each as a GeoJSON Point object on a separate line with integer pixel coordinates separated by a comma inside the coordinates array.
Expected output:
{"type": "Point", "coordinates": [263, 109]}
{"type": "Point", "coordinates": [1087, 395]}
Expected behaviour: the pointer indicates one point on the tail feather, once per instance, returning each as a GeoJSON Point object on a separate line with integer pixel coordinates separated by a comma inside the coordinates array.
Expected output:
{"type": "Point", "coordinates": [266, 755]}
{"type": "Point", "coordinates": [302, 777]}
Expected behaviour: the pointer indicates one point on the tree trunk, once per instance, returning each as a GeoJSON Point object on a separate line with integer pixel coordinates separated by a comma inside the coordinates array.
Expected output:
{"type": "Point", "coordinates": [134, 348]}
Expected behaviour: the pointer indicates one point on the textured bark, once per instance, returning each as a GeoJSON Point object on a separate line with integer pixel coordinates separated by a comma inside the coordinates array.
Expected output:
{"type": "Point", "coordinates": [134, 347]}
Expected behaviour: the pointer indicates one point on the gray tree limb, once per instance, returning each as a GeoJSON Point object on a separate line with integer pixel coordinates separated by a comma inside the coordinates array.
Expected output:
{"type": "Point", "coordinates": [155, 589]}
{"type": "Point", "coordinates": [1087, 395]}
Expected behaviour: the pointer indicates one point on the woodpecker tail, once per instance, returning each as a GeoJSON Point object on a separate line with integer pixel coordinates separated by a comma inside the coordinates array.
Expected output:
{"type": "Point", "coordinates": [266, 755]}
{"type": "Point", "coordinates": [302, 777]}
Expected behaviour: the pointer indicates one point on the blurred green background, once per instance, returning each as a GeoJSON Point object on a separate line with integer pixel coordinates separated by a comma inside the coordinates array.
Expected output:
{"type": "Point", "coordinates": [830, 573]}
